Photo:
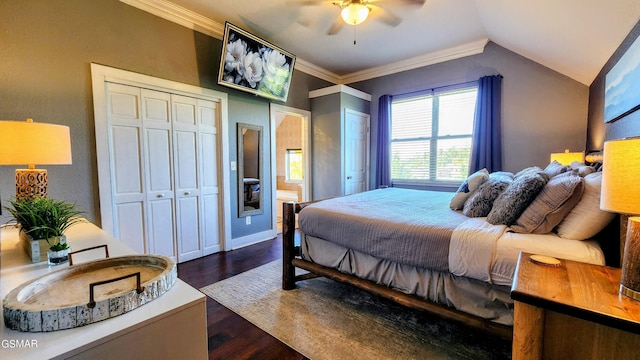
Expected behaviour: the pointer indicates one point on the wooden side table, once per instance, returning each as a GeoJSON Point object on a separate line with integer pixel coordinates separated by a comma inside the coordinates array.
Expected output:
{"type": "Point", "coordinates": [572, 311]}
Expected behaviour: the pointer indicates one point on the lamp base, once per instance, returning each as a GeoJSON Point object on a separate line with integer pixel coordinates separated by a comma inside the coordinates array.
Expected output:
{"type": "Point", "coordinates": [630, 277]}
{"type": "Point", "coordinates": [31, 183]}
{"type": "Point", "coordinates": [635, 295]}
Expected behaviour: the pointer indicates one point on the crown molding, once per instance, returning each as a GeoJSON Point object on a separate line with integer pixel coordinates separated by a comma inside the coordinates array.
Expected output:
{"type": "Point", "coordinates": [339, 89]}
{"type": "Point", "coordinates": [317, 71]}
{"type": "Point", "coordinates": [189, 19]}
{"type": "Point", "coordinates": [456, 52]}
{"type": "Point", "coordinates": [179, 15]}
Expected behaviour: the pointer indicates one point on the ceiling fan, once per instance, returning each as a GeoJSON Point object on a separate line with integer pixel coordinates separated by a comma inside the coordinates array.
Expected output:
{"type": "Point", "coordinates": [355, 12]}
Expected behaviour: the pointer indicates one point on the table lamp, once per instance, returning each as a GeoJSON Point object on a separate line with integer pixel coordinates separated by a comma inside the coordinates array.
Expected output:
{"type": "Point", "coordinates": [566, 158]}
{"type": "Point", "coordinates": [29, 143]}
{"type": "Point", "coordinates": [621, 194]}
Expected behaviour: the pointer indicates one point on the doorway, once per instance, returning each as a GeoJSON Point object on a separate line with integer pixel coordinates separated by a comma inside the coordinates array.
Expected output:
{"type": "Point", "coordinates": [290, 131]}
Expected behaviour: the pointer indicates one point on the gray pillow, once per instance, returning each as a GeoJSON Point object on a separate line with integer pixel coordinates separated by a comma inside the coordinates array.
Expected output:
{"type": "Point", "coordinates": [583, 170]}
{"type": "Point", "coordinates": [481, 202]}
{"type": "Point", "coordinates": [526, 171]}
{"type": "Point", "coordinates": [516, 197]}
{"type": "Point", "coordinates": [471, 184]}
{"type": "Point", "coordinates": [555, 168]}
{"type": "Point", "coordinates": [553, 203]}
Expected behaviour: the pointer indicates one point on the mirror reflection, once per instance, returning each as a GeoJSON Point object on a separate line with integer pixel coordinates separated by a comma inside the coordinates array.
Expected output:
{"type": "Point", "coordinates": [250, 191]}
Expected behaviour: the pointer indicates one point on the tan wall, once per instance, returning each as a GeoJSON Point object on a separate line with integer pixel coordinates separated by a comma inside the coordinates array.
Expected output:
{"type": "Point", "coordinates": [288, 136]}
{"type": "Point", "coordinates": [46, 48]}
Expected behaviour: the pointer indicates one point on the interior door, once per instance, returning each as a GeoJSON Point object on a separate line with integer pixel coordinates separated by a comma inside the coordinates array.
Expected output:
{"type": "Point", "coordinates": [156, 119]}
{"type": "Point", "coordinates": [356, 152]}
{"type": "Point", "coordinates": [185, 135]}
{"type": "Point", "coordinates": [208, 113]}
{"type": "Point", "coordinates": [128, 188]}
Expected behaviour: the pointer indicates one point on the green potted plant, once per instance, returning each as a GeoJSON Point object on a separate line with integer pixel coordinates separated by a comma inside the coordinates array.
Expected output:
{"type": "Point", "coordinates": [45, 219]}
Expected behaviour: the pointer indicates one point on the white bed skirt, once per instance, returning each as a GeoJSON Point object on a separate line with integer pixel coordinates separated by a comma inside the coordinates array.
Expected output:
{"type": "Point", "coordinates": [492, 302]}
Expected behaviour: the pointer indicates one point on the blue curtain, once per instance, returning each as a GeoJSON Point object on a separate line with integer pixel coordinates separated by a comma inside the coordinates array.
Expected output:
{"type": "Point", "coordinates": [486, 147]}
{"type": "Point", "coordinates": [383, 155]}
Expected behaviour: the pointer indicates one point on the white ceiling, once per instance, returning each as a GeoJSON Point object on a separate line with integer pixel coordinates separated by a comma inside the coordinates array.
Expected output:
{"type": "Point", "coordinates": [573, 37]}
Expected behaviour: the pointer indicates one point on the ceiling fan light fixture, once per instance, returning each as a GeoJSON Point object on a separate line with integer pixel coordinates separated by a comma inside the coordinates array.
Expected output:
{"type": "Point", "coordinates": [355, 13]}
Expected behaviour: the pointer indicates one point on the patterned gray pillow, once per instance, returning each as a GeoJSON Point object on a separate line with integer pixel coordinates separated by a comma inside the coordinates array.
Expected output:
{"type": "Point", "coordinates": [481, 202]}
{"type": "Point", "coordinates": [553, 203]}
{"type": "Point", "coordinates": [516, 197]}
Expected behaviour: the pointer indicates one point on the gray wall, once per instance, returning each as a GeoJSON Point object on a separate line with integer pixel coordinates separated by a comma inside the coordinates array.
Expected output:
{"type": "Point", "coordinates": [47, 47]}
{"type": "Point", "coordinates": [543, 111]}
{"type": "Point", "coordinates": [628, 126]}
{"type": "Point", "coordinates": [327, 122]}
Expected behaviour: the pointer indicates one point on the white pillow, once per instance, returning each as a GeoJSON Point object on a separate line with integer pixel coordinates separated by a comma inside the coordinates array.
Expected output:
{"type": "Point", "coordinates": [471, 184]}
{"type": "Point", "coordinates": [586, 219]}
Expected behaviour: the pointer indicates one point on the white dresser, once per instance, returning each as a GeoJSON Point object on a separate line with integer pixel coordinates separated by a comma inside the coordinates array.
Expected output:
{"type": "Point", "coordinates": [170, 327]}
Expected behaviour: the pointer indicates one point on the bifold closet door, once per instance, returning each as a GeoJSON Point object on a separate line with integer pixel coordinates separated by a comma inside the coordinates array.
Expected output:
{"type": "Point", "coordinates": [164, 171]}
{"type": "Point", "coordinates": [185, 135]}
{"type": "Point", "coordinates": [208, 114]}
{"type": "Point", "coordinates": [126, 157]}
{"type": "Point", "coordinates": [158, 155]}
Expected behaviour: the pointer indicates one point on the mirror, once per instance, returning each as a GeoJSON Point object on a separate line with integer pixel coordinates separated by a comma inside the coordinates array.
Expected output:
{"type": "Point", "coordinates": [250, 192]}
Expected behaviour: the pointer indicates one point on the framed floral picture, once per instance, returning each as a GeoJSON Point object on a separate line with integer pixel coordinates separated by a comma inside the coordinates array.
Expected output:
{"type": "Point", "coordinates": [251, 64]}
{"type": "Point", "coordinates": [621, 96]}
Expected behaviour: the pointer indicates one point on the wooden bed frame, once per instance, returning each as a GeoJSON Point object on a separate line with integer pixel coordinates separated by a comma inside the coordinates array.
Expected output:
{"type": "Point", "coordinates": [292, 260]}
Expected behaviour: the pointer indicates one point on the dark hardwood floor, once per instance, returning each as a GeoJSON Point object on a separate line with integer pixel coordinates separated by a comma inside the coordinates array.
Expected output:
{"type": "Point", "coordinates": [231, 336]}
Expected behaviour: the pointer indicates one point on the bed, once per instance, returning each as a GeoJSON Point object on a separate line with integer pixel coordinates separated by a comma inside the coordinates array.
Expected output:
{"type": "Point", "coordinates": [410, 246]}
{"type": "Point", "coordinates": [251, 193]}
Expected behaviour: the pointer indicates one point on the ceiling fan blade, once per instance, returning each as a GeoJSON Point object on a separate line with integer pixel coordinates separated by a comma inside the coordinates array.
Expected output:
{"type": "Point", "coordinates": [384, 16]}
{"type": "Point", "coordinates": [407, 2]}
{"type": "Point", "coordinates": [337, 25]}
{"type": "Point", "coordinates": [306, 2]}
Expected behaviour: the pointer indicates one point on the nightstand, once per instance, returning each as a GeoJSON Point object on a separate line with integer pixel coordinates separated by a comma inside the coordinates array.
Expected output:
{"type": "Point", "coordinates": [572, 311]}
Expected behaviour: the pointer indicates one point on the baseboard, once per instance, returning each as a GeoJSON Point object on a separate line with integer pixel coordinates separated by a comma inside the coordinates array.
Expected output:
{"type": "Point", "coordinates": [252, 239]}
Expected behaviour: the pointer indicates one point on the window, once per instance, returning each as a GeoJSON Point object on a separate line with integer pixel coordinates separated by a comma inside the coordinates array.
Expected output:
{"type": "Point", "coordinates": [431, 136]}
{"type": "Point", "coordinates": [293, 160]}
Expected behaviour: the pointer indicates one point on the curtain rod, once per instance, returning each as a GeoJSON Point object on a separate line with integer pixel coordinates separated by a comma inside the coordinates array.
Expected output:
{"type": "Point", "coordinates": [436, 89]}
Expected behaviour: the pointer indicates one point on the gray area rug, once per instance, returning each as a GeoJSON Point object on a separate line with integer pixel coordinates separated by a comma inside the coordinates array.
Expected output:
{"type": "Point", "coordinates": [324, 319]}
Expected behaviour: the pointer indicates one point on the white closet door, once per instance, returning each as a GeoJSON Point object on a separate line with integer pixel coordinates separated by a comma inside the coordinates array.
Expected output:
{"type": "Point", "coordinates": [125, 137]}
{"type": "Point", "coordinates": [156, 119]}
{"type": "Point", "coordinates": [185, 135]}
{"type": "Point", "coordinates": [208, 113]}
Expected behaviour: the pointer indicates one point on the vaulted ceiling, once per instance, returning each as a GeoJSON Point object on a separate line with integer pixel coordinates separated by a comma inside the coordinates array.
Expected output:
{"type": "Point", "coordinates": [573, 37]}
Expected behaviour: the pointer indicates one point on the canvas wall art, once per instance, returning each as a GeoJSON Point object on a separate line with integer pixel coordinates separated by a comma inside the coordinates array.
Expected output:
{"type": "Point", "coordinates": [622, 85]}
{"type": "Point", "coordinates": [251, 64]}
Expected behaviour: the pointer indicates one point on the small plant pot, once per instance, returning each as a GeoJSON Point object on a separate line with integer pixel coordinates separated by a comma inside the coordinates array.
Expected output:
{"type": "Point", "coordinates": [58, 257]}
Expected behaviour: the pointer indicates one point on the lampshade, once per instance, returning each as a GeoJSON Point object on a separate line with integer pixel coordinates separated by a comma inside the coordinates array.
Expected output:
{"type": "Point", "coordinates": [566, 158]}
{"type": "Point", "coordinates": [621, 193]}
{"type": "Point", "coordinates": [31, 143]}
{"type": "Point", "coordinates": [621, 176]}
{"type": "Point", "coordinates": [355, 13]}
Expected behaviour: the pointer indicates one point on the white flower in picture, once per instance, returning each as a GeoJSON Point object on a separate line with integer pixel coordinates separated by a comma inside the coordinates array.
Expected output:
{"type": "Point", "coordinates": [234, 59]}
{"type": "Point", "coordinates": [253, 69]}
{"type": "Point", "coordinates": [276, 72]}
